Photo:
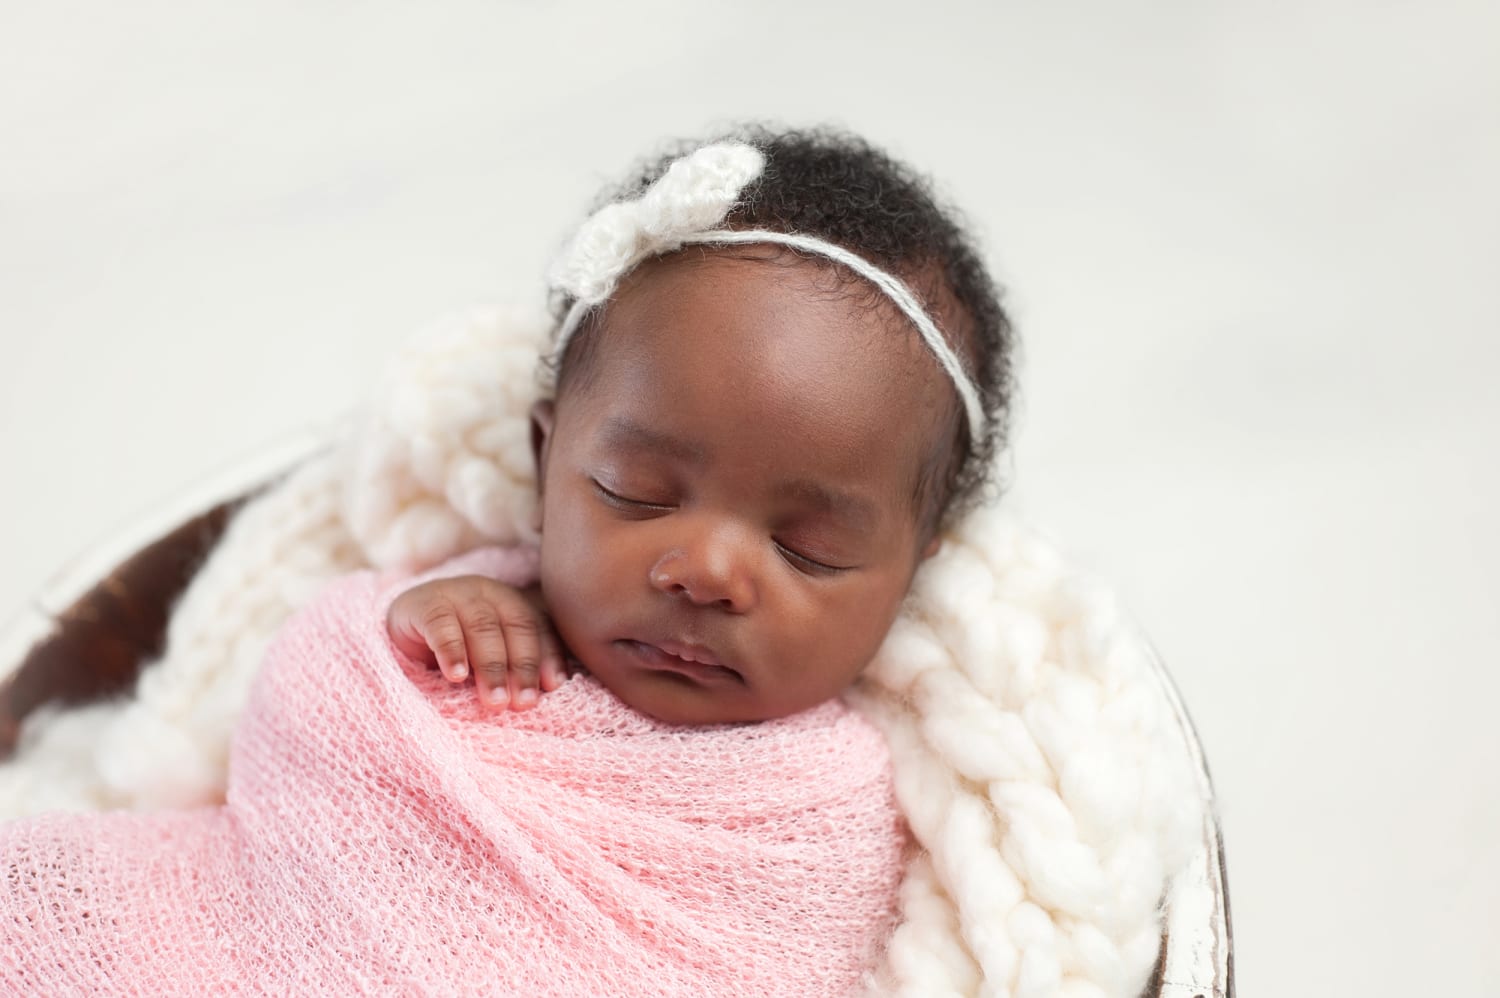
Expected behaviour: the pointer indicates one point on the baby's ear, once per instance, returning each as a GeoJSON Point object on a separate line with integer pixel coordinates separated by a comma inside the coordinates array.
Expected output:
{"type": "Point", "coordinates": [543, 419]}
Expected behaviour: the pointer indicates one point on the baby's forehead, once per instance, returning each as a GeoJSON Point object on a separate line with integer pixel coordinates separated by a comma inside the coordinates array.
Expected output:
{"type": "Point", "coordinates": [755, 306]}
{"type": "Point", "coordinates": [737, 361]}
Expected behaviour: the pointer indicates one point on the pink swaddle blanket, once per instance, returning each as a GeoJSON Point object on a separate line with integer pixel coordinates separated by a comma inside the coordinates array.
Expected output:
{"type": "Point", "coordinates": [385, 834]}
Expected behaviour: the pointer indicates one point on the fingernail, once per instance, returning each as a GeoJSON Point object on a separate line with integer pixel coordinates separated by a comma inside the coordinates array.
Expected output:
{"type": "Point", "coordinates": [498, 696]}
{"type": "Point", "coordinates": [526, 697]}
{"type": "Point", "coordinates": [460, 670]}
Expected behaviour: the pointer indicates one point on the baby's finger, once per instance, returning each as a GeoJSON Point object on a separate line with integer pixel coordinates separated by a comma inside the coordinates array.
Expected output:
{"type": "Point", "coordinates": [554, 670]}
{"type": "Point", "coordinates": [487, 654]}
{"type": "Point", "coordinates": [523, 647]}
{"type": "Point", "coordinates": [445, 636]}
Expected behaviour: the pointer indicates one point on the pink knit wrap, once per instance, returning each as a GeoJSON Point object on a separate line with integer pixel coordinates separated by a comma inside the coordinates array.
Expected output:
{"type": "Point", "coordinates": [383, 833]}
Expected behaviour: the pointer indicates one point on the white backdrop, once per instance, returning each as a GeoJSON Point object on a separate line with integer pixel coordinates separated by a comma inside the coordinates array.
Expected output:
{"type": "Point", "coordinates": [1252, 251]}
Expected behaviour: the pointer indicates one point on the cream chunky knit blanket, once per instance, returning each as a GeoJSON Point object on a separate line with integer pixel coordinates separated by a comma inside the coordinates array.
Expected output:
{"type": "Point", "coordinates": [1035, 756]}
{"type": "Point", "coordinates": [384, 832]}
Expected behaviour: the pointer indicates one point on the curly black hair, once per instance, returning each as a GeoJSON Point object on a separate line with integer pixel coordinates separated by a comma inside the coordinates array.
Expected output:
{"type": "Point", "coordinates": [834, 185]}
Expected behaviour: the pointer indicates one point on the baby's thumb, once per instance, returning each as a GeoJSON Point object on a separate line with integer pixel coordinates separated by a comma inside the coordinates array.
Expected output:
{"type": "Point", "coordinates": [405, 633]}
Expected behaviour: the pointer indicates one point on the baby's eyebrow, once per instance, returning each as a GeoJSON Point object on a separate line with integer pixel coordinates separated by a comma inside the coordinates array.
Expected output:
{"type": "Point", "coordinates": [853, 510]}
{"type": "Point", "coordinates": [627, 434]}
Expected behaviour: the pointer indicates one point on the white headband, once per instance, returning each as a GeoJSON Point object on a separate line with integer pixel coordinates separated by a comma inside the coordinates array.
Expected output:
{"type": "Point", "coordinates": [684, 206]}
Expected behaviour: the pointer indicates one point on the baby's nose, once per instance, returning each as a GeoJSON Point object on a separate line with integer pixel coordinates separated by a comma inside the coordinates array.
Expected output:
{"type": "Point", "coordinates": [712, 572]}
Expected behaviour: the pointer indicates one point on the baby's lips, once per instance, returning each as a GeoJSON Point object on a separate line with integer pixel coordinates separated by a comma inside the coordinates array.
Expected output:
{"type": "Point", "coordinates": [691, 658]}
{"type": "Point", "coordinates": [689, 652]}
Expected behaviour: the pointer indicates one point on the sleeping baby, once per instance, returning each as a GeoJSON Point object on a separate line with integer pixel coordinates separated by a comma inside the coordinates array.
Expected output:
{"type": "Point", "coordinates": [780, 369]}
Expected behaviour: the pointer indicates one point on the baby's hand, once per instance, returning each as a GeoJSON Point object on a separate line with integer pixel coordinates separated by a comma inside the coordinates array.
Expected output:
{"type": "Point", "coordinates": [474, 624]}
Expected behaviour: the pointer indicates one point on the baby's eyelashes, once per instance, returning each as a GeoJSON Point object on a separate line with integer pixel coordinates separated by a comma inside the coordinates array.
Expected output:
{"type": "Point", "coordinates": [629, 504]}
{"type": "Point", "coordinates": [808, 565]}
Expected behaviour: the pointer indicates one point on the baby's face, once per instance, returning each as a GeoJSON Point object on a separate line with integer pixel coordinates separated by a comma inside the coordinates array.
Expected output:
{"type": "Point", "coordinates": [729, 520]}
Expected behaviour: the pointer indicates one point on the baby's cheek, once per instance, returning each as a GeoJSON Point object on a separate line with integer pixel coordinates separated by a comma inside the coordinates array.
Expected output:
{"type": "Point", "coordinates": [838, 637]}
{"type": "Point", "coordinates": [560, 590]}
{"type": "Point", "coordinates": [865, 621]}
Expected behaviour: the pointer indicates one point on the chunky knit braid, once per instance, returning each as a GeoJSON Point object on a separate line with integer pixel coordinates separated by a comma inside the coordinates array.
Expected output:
{"type": "Point", "coordinates": [1034, 763]}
